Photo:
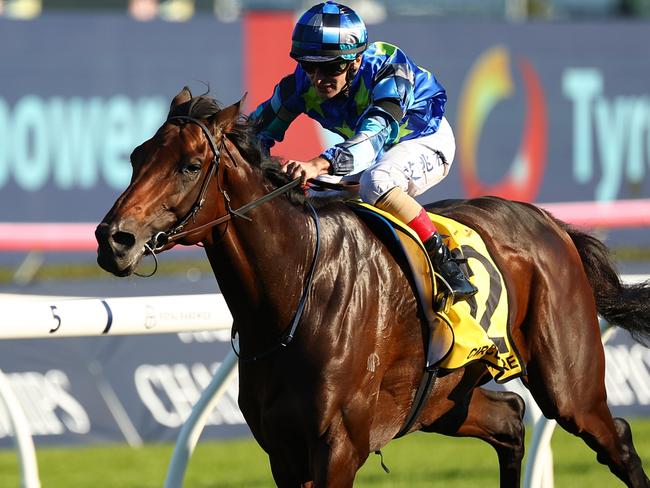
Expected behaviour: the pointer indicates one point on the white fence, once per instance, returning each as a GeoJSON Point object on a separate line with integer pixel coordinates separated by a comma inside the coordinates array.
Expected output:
{"type": "Point", "coordinates": [33, 318]}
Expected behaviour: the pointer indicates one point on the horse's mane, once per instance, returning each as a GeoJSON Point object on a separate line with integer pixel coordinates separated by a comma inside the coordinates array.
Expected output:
{"type": "Point", "coordinates": [243, 135]}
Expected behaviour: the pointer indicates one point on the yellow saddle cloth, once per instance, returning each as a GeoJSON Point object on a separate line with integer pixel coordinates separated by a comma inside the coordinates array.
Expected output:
{"type": "Point", "coordinates": [478, 325]}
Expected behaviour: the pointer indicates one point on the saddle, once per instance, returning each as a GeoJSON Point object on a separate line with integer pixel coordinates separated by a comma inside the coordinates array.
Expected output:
{"type": "Point", "coordinates": [462, 332]}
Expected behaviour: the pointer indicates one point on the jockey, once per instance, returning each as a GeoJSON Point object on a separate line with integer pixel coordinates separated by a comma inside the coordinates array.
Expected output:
{"type": "Point", "coordinates": [389, 110]}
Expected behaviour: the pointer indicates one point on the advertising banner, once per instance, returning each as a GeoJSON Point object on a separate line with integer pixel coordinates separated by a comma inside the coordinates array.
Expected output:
{"type": "Point", "coordinates": [79, 92]}
{"type": "Point", "coordinates": [116, 389]}
{"type": "Point", "coordinates": [541, 112]}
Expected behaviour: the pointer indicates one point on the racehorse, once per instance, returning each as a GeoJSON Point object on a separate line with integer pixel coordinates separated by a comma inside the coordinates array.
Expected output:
{"type": "Point", "coordinates": [331, 340]}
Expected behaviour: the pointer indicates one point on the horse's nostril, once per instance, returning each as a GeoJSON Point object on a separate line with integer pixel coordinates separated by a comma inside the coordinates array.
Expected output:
{"type": "Point", "coordinates": [124, 239]}
{"type": "Point", "coordinates": [101, 232]}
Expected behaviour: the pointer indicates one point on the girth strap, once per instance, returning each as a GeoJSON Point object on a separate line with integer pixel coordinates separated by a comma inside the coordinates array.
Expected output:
{"type": "Point", "coordinates": [290, 332]}
{"type": "Point", "coordinates": [421, 396]}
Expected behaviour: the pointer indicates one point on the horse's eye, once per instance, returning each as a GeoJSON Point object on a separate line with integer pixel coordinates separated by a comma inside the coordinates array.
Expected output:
{"type": "Point", "coordinates": [191, 169]}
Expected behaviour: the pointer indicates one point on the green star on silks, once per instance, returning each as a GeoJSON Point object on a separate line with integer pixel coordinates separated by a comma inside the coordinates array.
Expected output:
{"type": "Point", "coordinates": [313, 101]}
{"type": "Point", "coordinates": [384, 48]}
{"type": "Point", "coordinates": [403, 131]}
{"type": "Point", "coordinates": [345, 130]}
{"type": "Point", "coordinates": [361, 97]}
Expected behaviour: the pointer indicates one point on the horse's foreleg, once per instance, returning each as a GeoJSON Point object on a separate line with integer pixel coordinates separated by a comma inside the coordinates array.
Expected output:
{"type": "Point", "coordinates": [497, 418]}
{"type": "Point", "coordinates": [336, 459]}
{"type": "Point", "coordinates": [334, 466]}
{"type": "Point", "coordinates": [283, 475]}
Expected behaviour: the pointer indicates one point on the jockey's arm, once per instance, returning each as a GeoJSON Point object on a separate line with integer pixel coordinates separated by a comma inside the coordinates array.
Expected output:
{"type": "Point", "coordinates": [392, 94]}
{"type": "Point", "coordinates": [273, 117]}
{"type": "Point", "coordinates": [376, 129]}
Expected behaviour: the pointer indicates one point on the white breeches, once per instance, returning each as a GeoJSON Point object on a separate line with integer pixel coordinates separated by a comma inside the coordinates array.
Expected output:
{"type": "Point", "coordinates": [414, 165]}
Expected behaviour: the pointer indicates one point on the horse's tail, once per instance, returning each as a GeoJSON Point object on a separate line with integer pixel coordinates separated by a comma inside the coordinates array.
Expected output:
{"type": "Point", "coordinates": [623, 305]}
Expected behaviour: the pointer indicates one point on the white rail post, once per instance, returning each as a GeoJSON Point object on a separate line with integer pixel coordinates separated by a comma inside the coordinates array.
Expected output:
{"type": "Point", "coordinates": [193, 426]}
{"type": "Point", "coordinates": [22, 436]}
{"type": "Point", "coordinates": [539, 466]}
{"type": "Point", "coordinates": [26, 317]}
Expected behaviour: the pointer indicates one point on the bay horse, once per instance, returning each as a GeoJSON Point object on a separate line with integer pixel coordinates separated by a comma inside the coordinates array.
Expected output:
{"type": "Point", "coordinates": [330, 335]}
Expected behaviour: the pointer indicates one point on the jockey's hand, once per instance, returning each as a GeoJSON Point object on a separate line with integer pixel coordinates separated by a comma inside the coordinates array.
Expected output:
{"type": "Point", "coordinates": [306, 170]}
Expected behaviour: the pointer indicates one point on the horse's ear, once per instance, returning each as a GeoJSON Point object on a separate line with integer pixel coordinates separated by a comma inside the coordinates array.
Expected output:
{"type": "Point", "coordinates": [243, 99]}
{"type": "Point", "coordinates": [224, 120]}
{"type": "Point", "coordinates": [184, 96]}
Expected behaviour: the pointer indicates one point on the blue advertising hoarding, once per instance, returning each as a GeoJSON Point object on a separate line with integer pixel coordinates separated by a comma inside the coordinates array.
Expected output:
{"type": "Point", "coordinates": [79, 93]}
{"type": "Point", "coordinates": [116, 389]}
{"type": "Point", "coordinates": [542, 112]}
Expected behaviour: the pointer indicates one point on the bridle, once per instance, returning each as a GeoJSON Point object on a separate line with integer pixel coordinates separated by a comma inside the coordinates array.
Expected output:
{"type": "Point", "coordinates": [162, 239]}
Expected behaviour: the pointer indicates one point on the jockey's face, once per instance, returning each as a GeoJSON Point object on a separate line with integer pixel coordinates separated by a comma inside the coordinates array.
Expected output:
{"type": "Point", "coordinates": [329, 79]}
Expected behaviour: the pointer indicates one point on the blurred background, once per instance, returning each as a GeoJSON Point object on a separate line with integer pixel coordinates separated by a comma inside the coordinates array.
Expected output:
{"type": "Point", "coordinates": [549, 99]}
{"type": "Point", "coordinates": [373, 11]}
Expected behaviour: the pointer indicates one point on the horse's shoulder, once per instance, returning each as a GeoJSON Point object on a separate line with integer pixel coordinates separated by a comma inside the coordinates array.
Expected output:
{"type": "Point", "coordinates": [341, 224]}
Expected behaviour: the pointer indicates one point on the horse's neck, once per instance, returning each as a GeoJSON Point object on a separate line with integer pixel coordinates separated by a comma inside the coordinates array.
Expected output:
{"type": "Point", "coordinates": [261, 264]}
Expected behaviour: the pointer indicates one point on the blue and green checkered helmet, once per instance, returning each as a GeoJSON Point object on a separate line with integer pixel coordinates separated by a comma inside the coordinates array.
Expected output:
{"type": "Point", "coordinates": [328, 31]}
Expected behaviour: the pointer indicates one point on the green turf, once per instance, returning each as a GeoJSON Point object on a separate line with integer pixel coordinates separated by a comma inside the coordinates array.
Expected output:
{"type": "Point", "coordinates": [419, 460]}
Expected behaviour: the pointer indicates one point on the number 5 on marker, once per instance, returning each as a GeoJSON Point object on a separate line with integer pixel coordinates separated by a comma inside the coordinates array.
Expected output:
{"type": "Point", "coordinates": [56, 317]}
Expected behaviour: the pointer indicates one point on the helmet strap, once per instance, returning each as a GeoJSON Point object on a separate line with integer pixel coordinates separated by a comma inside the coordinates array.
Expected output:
{"type": "Point", "coordinates": [349, 77]}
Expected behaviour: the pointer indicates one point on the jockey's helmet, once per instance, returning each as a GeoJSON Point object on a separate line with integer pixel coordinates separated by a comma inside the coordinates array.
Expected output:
{"type": "Point", "coordinates": [328, 31]}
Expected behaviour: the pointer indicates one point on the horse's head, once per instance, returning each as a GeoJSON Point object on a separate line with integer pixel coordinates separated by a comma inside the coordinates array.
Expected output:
{"type": "Point", "coordinates": [174, 175]}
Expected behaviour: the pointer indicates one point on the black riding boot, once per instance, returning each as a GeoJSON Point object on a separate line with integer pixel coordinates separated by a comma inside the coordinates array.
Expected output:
{"type": "Point", "coordinates": [448, 268]}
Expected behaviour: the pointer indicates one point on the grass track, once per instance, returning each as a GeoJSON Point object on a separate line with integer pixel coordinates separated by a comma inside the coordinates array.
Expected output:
{"type": "Point", "coordinates": [419, 460]}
